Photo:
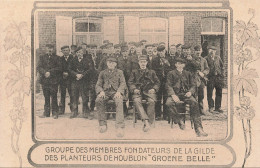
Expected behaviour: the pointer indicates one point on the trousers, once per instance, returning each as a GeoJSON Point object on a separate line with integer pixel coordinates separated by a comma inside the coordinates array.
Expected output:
{"type": "Point", "coordinates": [50, 95]}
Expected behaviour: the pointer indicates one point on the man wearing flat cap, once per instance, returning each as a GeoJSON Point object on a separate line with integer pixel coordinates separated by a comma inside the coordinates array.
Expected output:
{"type": "Point", "coordinates": [215, 79]}
{"type": "Point", "coordinates": [111, 85]}
{"type": "Point", "coordinates": [143, 84]}
{"type": "Point", "coordinates": [80, 69]}
{"type": "Point", "coordinates": [49, 68]}
{"type": "Point", "coordinates": [201, 75]}
{"type": "Point", "coordinates": [72, 50]}
{"type": "Point", "coordinates": [117, 48]}
{"type": "Point", "coordinates": [65, 83]}
{"type": "Point", "coordinates": [180, 88]}
{"type": "Point", "coordinates": [161, 66]}
{"type": "Point", "coordinates": [186, 51]}
{"type": "Point", "coordinates": [149, 53]}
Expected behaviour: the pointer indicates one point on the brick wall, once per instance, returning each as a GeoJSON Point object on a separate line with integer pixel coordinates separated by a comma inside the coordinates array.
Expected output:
{"type": "Point", "coordinates": [192, 25]}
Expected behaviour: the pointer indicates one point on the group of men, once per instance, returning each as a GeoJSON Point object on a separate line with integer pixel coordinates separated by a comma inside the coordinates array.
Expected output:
{"type": "Point", "coordinates": [134, 71]}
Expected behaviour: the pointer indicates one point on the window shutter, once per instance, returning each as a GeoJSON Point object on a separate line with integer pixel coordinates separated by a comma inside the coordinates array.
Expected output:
{"type": "Point", "coordinates": [176, 30]}
{"type": "Point", "coordinates": [63, 32]}
{"type": "Point", "coordinates": [131, 28]}
{"type": "Point", "coordinates": [111, 29]}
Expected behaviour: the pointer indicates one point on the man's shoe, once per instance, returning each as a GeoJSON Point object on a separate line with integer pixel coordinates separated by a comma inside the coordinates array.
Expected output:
{"type": "Point", "coordinates": [119, 132]}
{"type": "Point", "coordinates": [85, 115]}
{"type": "Point", "coordinates": [73, 115]}
{"type": "Point", "coordinates": [211, 109]}
{"type": "Point", "coordinates": [200, 132]}
{"type": "Point", "coordinates": [146, 127]}
{"type": "Point", "coordinates": [55, 116]}
{"type": "Point", "coordinates": [102, 128]}
{"type": "Point", "coordinates": [181, 125]}
{"type": "Point", "coordinates": [219, 110]}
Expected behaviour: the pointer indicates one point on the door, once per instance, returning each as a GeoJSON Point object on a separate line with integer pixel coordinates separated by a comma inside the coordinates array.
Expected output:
{"type": "Point", "coordinates": [215, 40]}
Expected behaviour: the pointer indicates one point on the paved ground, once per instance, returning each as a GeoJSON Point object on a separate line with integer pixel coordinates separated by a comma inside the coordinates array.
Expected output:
{"type": "Point", "coordinates": [84, 129]}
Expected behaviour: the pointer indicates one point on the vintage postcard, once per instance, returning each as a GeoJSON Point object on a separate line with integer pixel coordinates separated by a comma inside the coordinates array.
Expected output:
{"type": "Point", "coordinates": [145, 83]}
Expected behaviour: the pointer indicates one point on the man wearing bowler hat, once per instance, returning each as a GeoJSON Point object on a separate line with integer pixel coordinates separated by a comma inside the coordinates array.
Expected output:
{"type": "Point", "coordinates": [80, 69]}
{"type": "Point", "coordinates": [180, 88]}
{"type": "Point", "coordinates": [50, 70]}
{"type": "Point", "coordinates": [161, 66]}
{"type": "Point", "coordinates": [143, 84]}
{"type": "Point", "coordinates": [111, 85]}
{"type": "Point", "coordinates": [215, 79]}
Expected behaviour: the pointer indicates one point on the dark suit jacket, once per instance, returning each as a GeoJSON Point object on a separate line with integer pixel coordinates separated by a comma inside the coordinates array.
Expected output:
{"type": "Point", "coordinates": [65, 67]}
{"type": "Point", "coordinates": [143, 81]}
{"type": "Point", "coordinates": [125, 66]}
{"type": "Point", "coordinates": [216, 66]}
{"type": "Point", "coordinates": [84, 67]}
{"type": "Point", "coordinates": [111, 81]}
{"type": "Point", "coordinates": [174, 79]}
{"type": "Point", "coordinates": [50, 64]}
{"type": "Point", "coordinates": [160, 70]}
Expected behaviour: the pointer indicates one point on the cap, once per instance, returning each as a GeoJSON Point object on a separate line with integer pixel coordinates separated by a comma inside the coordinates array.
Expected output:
{"type": "Point", "coordinates": [112, 59]}
{"type": "Point", "coordinates": [212, 47]}
{"type": "Point", "coordinates": [160, 48]}
{"type": "Point", "coordinates": [103, 46]}
{"type": "Point", "coordinates": [186, 46]}
{"type": "Point", "coordinates": [131, 43]}
{"type": "Point", "coordinates": [78, 48]}
{"type": "Point", "coordinates": [148, 45]}
{"type": "Point", "coordinates": [73, 46]}
{"type": "Point", "coordinates": [49, 46]}
{"type": "Point", "coordinates": [162, 43]}
{"type": "Point", "coordinates": [105, 41]}
{"type": "Point", "coordinates": [181, 60]}
{"type": "Point", "coordinates": [155, 44]}
{"type": "Point", "coordinates": [63, 47]}
{"type": "Point", "coordinates": [83, 44]}
{"type": "Point", "coordinates": [142, 41]}
{"type": "Point", "coordinates": [124, 48]}
{"type": "Point", "coordinates": [178, 45]}
{"type": "Point", "coordinates": [142, 57]}
{"type": "Point", "coordinates": [138, 44]}
{"type": "Point", "coordinates": [197, 48]}
{"type": "Point", "coordinates": [92, 46]}
{"type": "Point", "coordinates": [117, 46]}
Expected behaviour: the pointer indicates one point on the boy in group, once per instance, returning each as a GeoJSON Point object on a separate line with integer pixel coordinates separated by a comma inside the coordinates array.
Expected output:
{"type": "Point", "coordinates": [143, 84]}
{"type": "Point", "coordinates": [111, 86]}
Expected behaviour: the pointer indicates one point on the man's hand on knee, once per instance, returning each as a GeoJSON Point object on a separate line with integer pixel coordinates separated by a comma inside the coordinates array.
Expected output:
{"type": "Point", "coordinates": [102, 94]}
{"type": "Point", "coordinates": [175, 98]}
{"type": "Point", "coordinates": [118, 95]}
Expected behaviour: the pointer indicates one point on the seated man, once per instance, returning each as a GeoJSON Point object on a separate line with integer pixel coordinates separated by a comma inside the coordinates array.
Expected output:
{"type": "Point", "coordinates": [143, 84]}
{"type": "Point", "coordinates": [180, 88]}
{"type": "Point", "coordinates": [111, 85]}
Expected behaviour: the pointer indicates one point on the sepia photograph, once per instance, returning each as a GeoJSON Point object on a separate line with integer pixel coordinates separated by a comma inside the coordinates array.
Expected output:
{"type": "Point", "coordinates": [159, 75]}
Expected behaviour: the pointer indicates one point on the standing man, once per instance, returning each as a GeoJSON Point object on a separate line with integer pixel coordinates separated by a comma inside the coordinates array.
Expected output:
{"type": "Point", "coordinates": [80, 69]}
{"type": "Point", "coordinates": [65, 83]}
{"type": "Point", "coordinates": [202, 73]}
{"type": "Point", "coordinates": [161, 66]}
{"type": "Point", "coordinates": [144, 84]}
{"type": "Point", "coordinates": [117, 48]}
{"type": "Point", "coordinates": [172, 56]}
{"type": "Point", "coordinates": [178, 50]}
{"type": "Point", "coordinates": [50, 70]}
{"type": "Point", "coordinates": [180, 88]}
{"type": "Point", "coordinates": [111, 86]}
{"type": "Point", "coordinates": [73, 48]}
{"type": "Point", "coordinates": [215, 79]}
{"type": "Point", "coordinates": [149, 51]}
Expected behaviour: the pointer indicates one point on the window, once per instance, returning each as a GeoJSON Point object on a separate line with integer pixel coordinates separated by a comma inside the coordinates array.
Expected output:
{"type": "Point", "coordinates": [214, 26]}
{"type": "Point", "coordinates": [154, 30]}
{"type": "Point", "coordinates": [88, 30]}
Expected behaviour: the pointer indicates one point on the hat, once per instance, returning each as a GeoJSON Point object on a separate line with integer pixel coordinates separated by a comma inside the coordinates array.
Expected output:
{"type": "Point", "coordinates": [124, 48]}
{"type": "Point", "coordinates": [138, 44]}
{"type": "Point", "coordinates": [186, 46]}
{"type": "Point", "coordinates": [105, 41]}
{"type": "Point", "coordinates": [92, 46]}
{"type": "Point", "coordinates": [63, 47]}
{"type": "Point", "coordinates": [162, 43]}
{"type": "Point", "coordinates": [143, 57]}
{"type": "Point", "coordinates": [155, 44]}
{"type": "Point", "coordinates": [103, 46]}
{"type": "Point", "coordinates": [178, 45]}
{"type": "Point", "coordinates": [112, 59]}
{"type": "Point", "coordinates": [197, 48]}
{"type": "Point", "coordinates": [212, 47]}
{"type": "Point", "coordinates": [49, 46]}
{"type": "Point", "coordinates": [131, 43]}
{"type": "Point", "coordinates": [142, 41]}
{"type": "Point", "coordinates": [117, 46]}
{"type": "Point", "coordinates": [78, 48]}
{"type": "Point", "coordinates": [181, 60]}
{"type": "Point", "coordinates": [160, 48]}
{"type": "Point", "coordinates": [73, 46]}
{"type": "Point", "coordinates": [148, 45]}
